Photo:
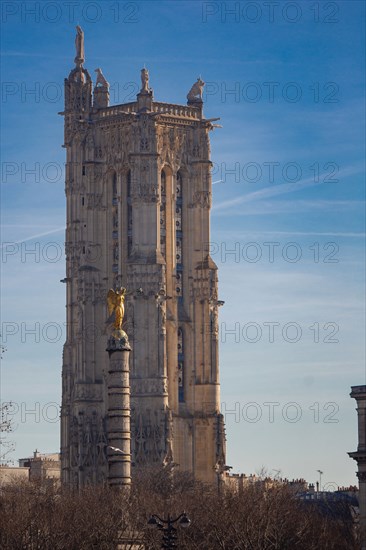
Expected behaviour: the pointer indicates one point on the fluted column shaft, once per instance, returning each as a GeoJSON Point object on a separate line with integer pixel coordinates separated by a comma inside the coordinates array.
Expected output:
{"type": "Point", "coordinates": [119, 421]}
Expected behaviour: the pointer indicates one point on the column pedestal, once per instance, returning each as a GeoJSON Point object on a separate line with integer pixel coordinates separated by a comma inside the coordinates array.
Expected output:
{"type": "Point", "coordinates": [118, 407]}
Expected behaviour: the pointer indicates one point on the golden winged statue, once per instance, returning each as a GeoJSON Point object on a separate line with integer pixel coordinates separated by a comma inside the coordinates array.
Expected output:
{"type": "Point", "coordinates": [116, 305]}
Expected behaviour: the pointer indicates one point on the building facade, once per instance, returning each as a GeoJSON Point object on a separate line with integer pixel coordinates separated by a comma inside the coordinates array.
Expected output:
{"type": "Point", "coordinates": [359, 394]}
{"type": "Point", "coordinates": [36, 468]}
{"type": "Point", "coordinates": [138, 192]}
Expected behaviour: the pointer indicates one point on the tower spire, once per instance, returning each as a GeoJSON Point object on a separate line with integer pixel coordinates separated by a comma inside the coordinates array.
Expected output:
{"type": "Point", "coordinates": [78, 89]}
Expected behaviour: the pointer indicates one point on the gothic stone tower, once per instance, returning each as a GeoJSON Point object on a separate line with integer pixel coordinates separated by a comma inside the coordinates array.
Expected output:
{"type": "Point", "coordinates": [138, 191]}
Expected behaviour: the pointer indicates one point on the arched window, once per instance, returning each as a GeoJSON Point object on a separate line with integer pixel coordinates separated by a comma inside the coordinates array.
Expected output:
{"type": "Point", "coordinates": [129, 214]}
{"type": "Point", "coordinates": [114, 187]}
{"type": "Point", "coordinates": [180, 354]}
{"type": "Point", "coordinates": [163, 214]}
{"type": "Point", "coordinates": [179, 237]}
{"type": "Point", "coordinates": [115, 232]}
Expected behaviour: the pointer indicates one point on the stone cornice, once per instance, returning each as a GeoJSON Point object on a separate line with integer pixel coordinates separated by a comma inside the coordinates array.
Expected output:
{"type": "Point", "coordinates": [359, 456]}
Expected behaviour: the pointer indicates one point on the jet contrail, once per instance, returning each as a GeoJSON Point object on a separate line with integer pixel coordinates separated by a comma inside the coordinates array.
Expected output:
{"type": "Point", "coordinates": [35, 236]}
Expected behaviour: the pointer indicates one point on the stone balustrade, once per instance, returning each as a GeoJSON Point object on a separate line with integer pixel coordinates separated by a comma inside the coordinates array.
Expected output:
{"type": "Point", "coordinates": [157, 107]}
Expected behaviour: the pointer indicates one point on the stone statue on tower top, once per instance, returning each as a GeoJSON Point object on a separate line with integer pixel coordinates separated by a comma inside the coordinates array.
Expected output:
{"type": "Point", "coordinates": [195, 93]}
{"type": "Point", "coordinates": [79, 45]}
{"type": "Point", "coordinates": [145, 80]}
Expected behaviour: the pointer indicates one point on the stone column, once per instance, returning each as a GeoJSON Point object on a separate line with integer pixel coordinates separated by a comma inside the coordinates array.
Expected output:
{"type": "Point", "coordinates": [118, 411]}
{"type": "Point", "coordinates": [144, 101]}
{"type": "Point", "coordinates": [359, 393]}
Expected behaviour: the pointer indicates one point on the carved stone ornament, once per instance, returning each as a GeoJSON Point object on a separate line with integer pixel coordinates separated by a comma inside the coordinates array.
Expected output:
{"type": "Point", "coordinates": [149, 437]}
{"type": "Point", "coordinates": [95, 201]}
{"type": "Point", "coordinates": [201, 199]}
{"type": "Point", "coordinates": [148, 386]}
{"type": "Point", "coordinates": [118, 342]}
{"type": "Point", "coordinates": [88, 392]}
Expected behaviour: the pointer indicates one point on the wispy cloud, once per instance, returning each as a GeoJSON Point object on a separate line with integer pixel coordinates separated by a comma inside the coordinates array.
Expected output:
{"type": "Point", "coordinates": [289, 206]}
{"type": "Point", "coordinates": [281, 189]}
{"type": "Point", "coordinates": [237, 235]}
{"type": "Point", "coordinates": [31, 54]}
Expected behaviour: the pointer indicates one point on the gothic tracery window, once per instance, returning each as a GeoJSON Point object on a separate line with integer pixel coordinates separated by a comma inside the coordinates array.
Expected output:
{"type": "Point", "coordinates": [179, 279]}
{"type": "Point", "coordinates": [129, 214]}
{"type": "Point", "coordinates": [115, 236]}
{"type": "Point", "coordinates": [180, 366]}
{"type": "Point", "coordinates": [163, 214]}
{"type": "Point", "coordinates": [179, 237]}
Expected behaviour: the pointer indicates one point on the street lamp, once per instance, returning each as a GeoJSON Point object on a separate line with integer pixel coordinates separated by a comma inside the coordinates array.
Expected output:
{"type": "Point", "coordinates": [169, 536]}
{"type": "Point", "coordinates": [320, 479]}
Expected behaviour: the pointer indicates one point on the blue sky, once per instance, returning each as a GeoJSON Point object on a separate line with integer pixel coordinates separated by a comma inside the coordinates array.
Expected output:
{"type": "Point", "coordinates": [287, 81]}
